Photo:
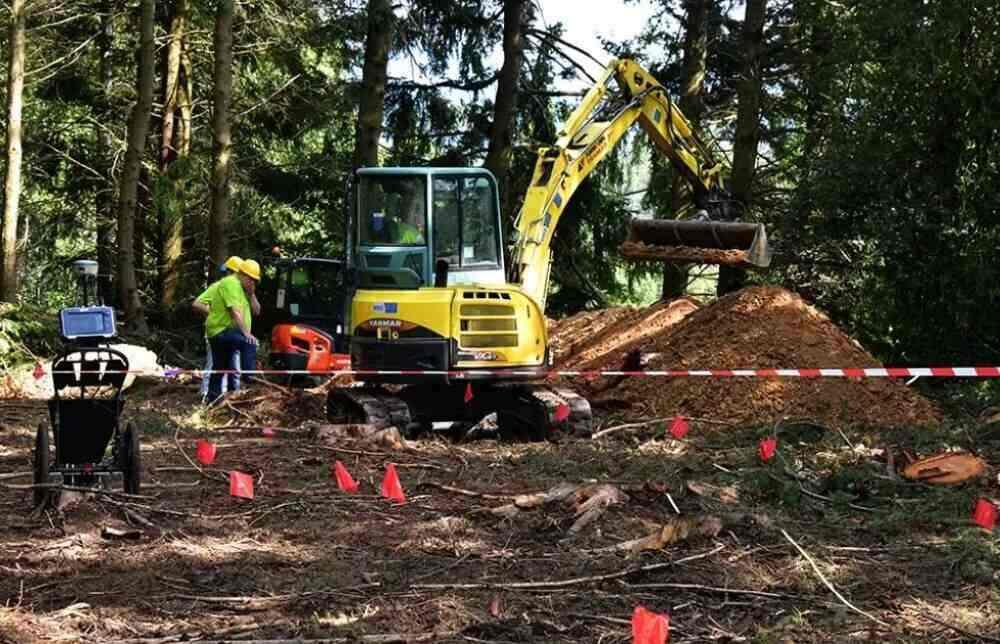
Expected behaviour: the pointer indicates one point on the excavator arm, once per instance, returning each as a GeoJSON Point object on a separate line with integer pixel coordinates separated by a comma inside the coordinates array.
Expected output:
{"type": "Point", "coordinates": [589, 134]}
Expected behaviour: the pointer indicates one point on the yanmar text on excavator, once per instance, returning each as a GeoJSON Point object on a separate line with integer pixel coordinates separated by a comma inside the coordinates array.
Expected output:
{"type": "Point", "coordinates": [432, 292]}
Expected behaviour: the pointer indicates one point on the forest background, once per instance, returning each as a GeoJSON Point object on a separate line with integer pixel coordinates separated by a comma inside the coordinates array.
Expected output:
{"type": "Point", "coordinates": [160, 137]}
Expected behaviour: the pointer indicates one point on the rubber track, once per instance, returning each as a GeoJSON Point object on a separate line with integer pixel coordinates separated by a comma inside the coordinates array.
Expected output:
{"type": "Point", "coordinates": [374, 407]}
{"type": "Point", "coordinates": [580, 421]}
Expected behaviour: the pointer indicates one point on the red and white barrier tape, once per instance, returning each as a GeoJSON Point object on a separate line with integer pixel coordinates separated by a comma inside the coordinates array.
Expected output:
{"type": "Point", "coordinates": [869, 372]}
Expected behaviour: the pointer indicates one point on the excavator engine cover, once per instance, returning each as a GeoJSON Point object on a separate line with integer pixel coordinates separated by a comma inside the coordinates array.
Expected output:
{"type": "Point", "coordinates": [698, 242]}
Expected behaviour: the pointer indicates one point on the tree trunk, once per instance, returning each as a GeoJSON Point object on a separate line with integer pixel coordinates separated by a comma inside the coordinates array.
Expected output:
{"type": "Point", "coordinates": [498, 157]}
{"type": "Point", "coordinates": [105, 197]}
{"type": "Point", "coordinates": [223, 141]}
{"type": "Point", "coordinates": [747, 127]}
{"type": "Point", "coordinates": [194, 224]}
{"type": "Point", "coordinates": [138, 127]}
{"type": "Point", "coordinates": [171, 204]}
{"type": "Point", "coordinates": [12, 184]}
{"type": "Point", "coordinates": [693, 71]}
{"type": "Point", "coordinates": [371, 103]}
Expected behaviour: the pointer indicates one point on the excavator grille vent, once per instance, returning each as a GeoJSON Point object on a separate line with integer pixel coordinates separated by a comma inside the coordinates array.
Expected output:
{"type": "Point", "coordinates": [485, 295]}
{"type": "Point", "coordinates": [487, 326]}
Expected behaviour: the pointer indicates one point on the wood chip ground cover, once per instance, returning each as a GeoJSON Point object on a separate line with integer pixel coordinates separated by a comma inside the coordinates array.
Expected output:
{"type": "Point", "coordinates": [303, 560]}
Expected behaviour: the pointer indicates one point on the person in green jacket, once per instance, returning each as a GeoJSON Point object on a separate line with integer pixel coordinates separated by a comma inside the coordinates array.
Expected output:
{"type": "Point", "coordinates": [231, 266]}
{"type": "Point", "coordinates": [228, 313]}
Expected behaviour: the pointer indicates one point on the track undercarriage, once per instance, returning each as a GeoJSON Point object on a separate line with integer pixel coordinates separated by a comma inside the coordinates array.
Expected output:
{"type": "Point", "coordinates": [530, 412]}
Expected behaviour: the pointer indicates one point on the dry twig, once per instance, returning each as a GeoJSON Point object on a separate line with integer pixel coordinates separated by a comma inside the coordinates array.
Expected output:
{"type": "Point", "coordinates": [564, 583]}
{"type": "Point", "coordinates": [827, 583]}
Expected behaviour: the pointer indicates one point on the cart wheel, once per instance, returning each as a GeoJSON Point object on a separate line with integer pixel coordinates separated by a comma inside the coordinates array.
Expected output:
{"type": "Point", "coordinates": [41, 494]}
{"type": "Point", "coordinates": [131, 461]}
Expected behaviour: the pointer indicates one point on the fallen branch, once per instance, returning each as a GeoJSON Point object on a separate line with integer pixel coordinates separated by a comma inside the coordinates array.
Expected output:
{"type": "Point", "coordinates": [390, 638]}
{"type": "Point", "coordinates": [75, 488]}
{"type": "Point", "coordinates": [279, 430]}
{"type": "Point", "coordinates": [673, 531]}
{"type": "Point", "coordinates": [711, 589]}
{"type": "Point", "coordinates": [961, 631]}
{"type": "Point", "coordinates": [229, 406]}
{"type": "Point", "coordinates": [15, 475]}
{"type": "Point", "coordinates": [480, 495]}
{"type": "Point", "coordinates": [246, 599]}
{"type": "Point", "coordinates": [609, 430]}
{"type": "Point", "coordinates": [827, 583]}
{"type": "Point", "coordinates": [563, 583]}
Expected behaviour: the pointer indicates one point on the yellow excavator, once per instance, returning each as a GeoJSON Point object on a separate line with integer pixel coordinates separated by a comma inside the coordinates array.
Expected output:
{"type": "Point", "coordinates": [442, 331]}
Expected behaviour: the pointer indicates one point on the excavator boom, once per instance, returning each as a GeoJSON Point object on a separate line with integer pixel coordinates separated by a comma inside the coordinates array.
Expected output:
{"type": "Point", "coordinates": [705, 233]}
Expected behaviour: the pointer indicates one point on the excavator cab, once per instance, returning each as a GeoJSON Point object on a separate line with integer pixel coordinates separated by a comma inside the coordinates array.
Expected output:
{"type": "Point", "coordinates": [420, 227]}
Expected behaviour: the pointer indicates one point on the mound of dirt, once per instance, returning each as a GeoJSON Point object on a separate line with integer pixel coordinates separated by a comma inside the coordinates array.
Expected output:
{"type": "Point", "coordinates": [765, 327]}
{"type": "Point", "coordinates": [605, 346]}
{"type": "Point", "coordinates": [566, 335]}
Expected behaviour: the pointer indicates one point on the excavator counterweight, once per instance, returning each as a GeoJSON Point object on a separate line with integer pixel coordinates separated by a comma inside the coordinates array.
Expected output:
{"type": "Point", "coordinates": [698, 242]}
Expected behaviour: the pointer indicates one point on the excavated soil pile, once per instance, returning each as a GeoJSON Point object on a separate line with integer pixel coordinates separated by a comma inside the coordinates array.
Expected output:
{"type": "Point", "coordinates": [683, 254]}
{"type": "Point", "coordinates": [569, 335]}
{"type": "Point", "coordinates": [765, 327]}
{"type": "Point", "coordinates": [605, 347]}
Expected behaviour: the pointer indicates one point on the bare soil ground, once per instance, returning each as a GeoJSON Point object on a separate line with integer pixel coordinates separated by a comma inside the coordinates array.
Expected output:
{"type": "Point", "coordinates": [303, 560]}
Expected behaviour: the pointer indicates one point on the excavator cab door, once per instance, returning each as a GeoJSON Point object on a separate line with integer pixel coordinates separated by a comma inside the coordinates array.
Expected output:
{"type": "Point", "coordinates": [466, 229]}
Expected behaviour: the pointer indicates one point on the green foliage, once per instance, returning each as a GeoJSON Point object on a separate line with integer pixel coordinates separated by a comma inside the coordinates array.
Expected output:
{"type": "Point", "coordinates": [26, 331]}
{"type": "Point", "coordinates": [877, 172]}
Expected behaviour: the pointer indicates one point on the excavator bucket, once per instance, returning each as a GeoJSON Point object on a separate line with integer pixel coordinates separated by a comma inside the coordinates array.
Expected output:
{"type": "Point", "coordinates": [682, 241]}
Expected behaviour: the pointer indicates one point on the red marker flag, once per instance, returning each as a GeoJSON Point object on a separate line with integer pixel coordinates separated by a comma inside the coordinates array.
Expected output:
{"type": "Point", "coordinates": [562, 412]}
{"type": "Point", "coordinates": [468, 393]}
{"type": "Point", "coordinates": [767, 448]}
{"type": "Point", "coordinates": [205, 452]}
{"type": "Point", "coordinates": [985, 514]}
{"type": "Point", "coordinates": [344, 480]}
{"type": "Point", "coordinates": [679, 427]}
{"type": "Point", "coordinates": [240, 485]}
{"type": "Point", "coordinates": [39, 371]}
{"type": "Point", "coordinates": [391, 487]}
{"type": "Point", "coordinates": [649, 627]}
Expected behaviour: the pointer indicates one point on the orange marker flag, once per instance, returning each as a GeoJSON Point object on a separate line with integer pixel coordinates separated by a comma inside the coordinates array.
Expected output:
{"type": "Point", "coordinates": [985, 514]}
{"type": "Point", "coordinates": [767, 448]}
{"type": "Point", "coordinates": [649, 627]}
{"type": "Point", "coordinates": [240, 485]}
{"type": "Point", "coordinates": [679, 427]}
{"type": "Point", "coordinates": [391, 487]}
{"type": "Point", "coordinates": [344, 480]}
{"type": "Point", "coordinates": [205, 452]}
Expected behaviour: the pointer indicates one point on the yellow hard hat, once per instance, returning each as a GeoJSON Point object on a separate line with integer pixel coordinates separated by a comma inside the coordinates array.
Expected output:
{"type": "Point", "coordinates": [233, 263]}
{"type": "Point", "coordinates": [251, 268]}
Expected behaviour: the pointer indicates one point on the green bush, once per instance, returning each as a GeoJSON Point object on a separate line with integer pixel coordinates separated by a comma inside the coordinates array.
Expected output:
{"type": "Point", "coordinates": [26, 331]}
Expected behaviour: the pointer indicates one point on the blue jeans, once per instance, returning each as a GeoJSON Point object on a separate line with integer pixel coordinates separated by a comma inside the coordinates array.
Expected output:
{"type": "Point", "coordinates": [224, 345]}
{"type": "Point", "coordinates": [208, 371]}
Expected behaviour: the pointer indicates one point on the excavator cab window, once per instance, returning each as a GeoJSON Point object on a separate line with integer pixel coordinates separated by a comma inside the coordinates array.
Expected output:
{"type": "Point", "coordinates": [392, 211]}
{"type": "Point", "coordinates": [465, 223]}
